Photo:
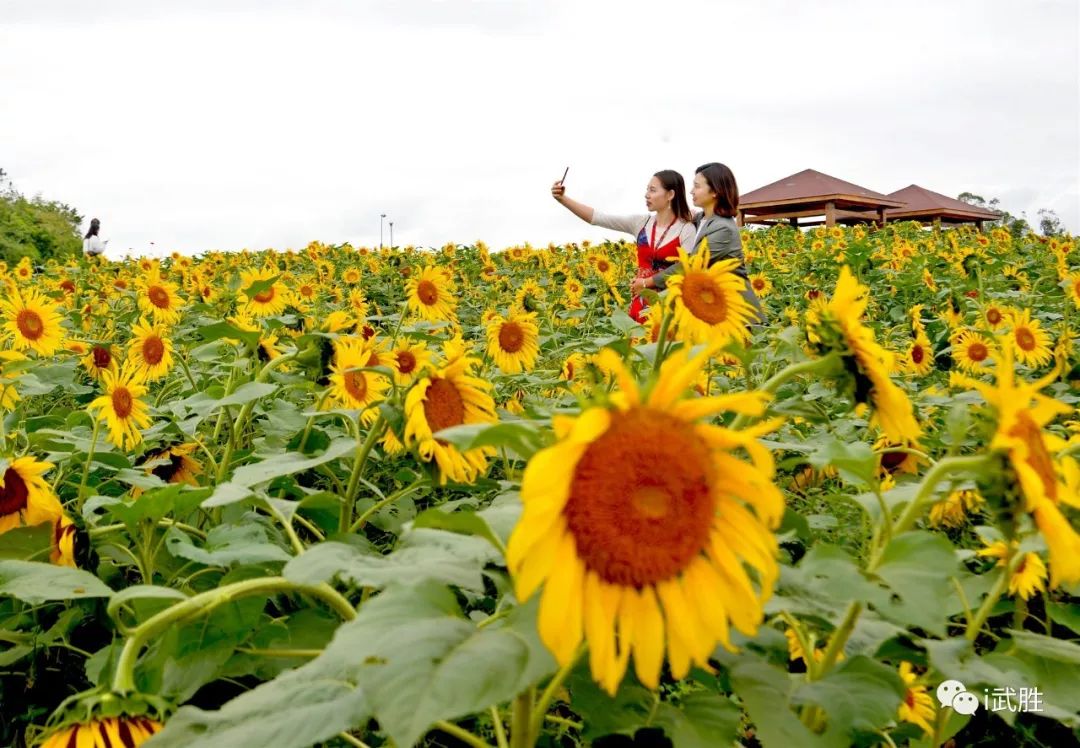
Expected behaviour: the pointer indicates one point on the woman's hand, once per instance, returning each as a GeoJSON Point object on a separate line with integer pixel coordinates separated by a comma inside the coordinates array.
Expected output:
{"type": "Point", "coordinates": [638, 285]}
{"type": "Point", "coordinates": [558, 191]}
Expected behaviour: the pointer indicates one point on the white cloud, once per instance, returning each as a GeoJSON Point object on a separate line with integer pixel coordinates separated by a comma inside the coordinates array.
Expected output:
{"type": "Point", "coordinates": [242, 124]}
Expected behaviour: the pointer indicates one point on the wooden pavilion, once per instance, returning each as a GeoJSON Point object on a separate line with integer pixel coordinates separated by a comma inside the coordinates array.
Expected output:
{"type": "Point", "coordinates": [813, 195]}
{"type": "Point", "coordinates": [927, 206]}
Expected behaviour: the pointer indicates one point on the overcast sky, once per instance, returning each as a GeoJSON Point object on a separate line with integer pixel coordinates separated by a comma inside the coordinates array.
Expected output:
{"type": "Point", "coordinates": [224, 124]}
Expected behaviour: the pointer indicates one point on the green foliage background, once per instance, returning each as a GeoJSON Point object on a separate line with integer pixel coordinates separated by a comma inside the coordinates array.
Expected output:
{"type": "Point", "coordinates": [35, 227]}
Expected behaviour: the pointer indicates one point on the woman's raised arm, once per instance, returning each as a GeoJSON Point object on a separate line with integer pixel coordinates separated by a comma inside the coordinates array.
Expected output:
{"type": "Point", "coordinates": [582, 211]}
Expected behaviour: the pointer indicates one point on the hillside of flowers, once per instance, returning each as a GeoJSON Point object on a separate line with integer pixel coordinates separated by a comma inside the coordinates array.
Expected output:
{"type": "Point", "coordinates": [344, 496]}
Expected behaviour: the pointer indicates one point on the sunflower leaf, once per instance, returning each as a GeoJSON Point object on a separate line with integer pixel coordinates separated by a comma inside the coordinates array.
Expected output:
{"type": "Point", "coordinates": [34, 582]}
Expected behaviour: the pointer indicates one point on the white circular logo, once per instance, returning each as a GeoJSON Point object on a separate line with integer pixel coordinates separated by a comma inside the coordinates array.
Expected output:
{"type": "Point", "coordinates": [948, 690]}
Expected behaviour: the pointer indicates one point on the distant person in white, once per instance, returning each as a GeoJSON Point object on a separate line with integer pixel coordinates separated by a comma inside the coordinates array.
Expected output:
{"type": "Point", "coordinates": [92, 244]}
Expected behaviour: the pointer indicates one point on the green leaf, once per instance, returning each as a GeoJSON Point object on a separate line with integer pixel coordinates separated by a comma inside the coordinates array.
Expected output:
{"type": "Point", "coordinates": [285, 463]}
{"type": "Point", "coordinates": [701, 720]}
{"type": "Point", "coordinates": [856, 462]}
{"type": "Point", "coordinates": [859, 694]}
{"type": "Point", "coordinates": [603, 714]}
{"type": "Point", "coordinates": [220, 330]}
{"type": "Point", "coordinates": [464, 522]}
{"type": "Point", "coordinates": [25, 543]}
{"type": "Point", "coordinates": [204, 404]}
{"type": "Point", "coordinates": [173, 500]}
{"type": "Point", "coordinates": [822, 584]}
{"type": "Point", "coordinates": [34, 582]}
{"type": "Point", "coordinates": [521, 437]}
{"type": "Point", "coordinates": [226, 545]}
{"type": "Point", "coordinates": [766, 694]}
{"type": "Point", "coordinates": [916, 566]}
{"type": "Point", "coordinates": [1063, 614]}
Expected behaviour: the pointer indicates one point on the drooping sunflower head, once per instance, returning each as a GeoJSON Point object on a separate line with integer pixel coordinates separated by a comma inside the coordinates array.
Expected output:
{"type": "Point", "coordinates": [175, 464]}
{"type": "Point", "coordinates": [109, 732]}
{"type": "Point", "coordinates": [121, 408]}
{"type": "Point", "coordinates": [449, 396]}
{"type": "Point", "coordinates": [430, 294]}
{"type": "Point", "coordinates": [638, 523]}
{"type": "Point", "coordinates": [150, 351]}
{"type": "Point", "coordinates": [707, 301]}
{"type": "Point", "coordinates": [31, 322]}
{"type": "Point", "coordinates": [25, 496]}
{"type": "Point", "coordinates": [513, 341]}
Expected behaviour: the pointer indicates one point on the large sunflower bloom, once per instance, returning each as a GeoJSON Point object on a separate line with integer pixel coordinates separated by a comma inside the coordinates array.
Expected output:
{"type": "Point", "coordinates": [1021, 414]}
{"type": "Point", "coordinates": [160, 299]}
{"type": "Point", "coordinates": [32, 322]}
{"type": "Point", "coordinates": [513, 341]}
{"type": "Point", "coordinates": [431, 295]}
{"type": "Point", "coordinates": [150, 351]}
{"type": "Point", "coordinates": [267, 302]}
{"type": "Point", "coordinates": [638, 522]}
{"type": "Point", "coordinates": [120, 407]}
{"type": "Point", "coordinates": [449, 396]}
{"type": "Point", "coordinates": [25, 497]}
{"type": "Point", "coordinates": [971, 351]}
{"type": "Point", "coordinates": [1030, 342]}
{"type": "Point", "coordinates": [707, 300]}
{"type": "Point", "coordinates": [837, 325]}
{"type": "Point", "coordinates": [111, 732]}
{"type": "Point", "coordinates": [352, 387]}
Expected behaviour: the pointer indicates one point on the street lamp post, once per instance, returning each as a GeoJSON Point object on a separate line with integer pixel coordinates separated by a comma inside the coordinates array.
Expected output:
{"type": "Point", "coordinates": [391, 235]}
{"type": "Point", "coordinates": [382, 217]}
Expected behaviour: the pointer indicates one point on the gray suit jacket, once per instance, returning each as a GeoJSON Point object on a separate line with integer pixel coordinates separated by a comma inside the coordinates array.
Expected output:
{"type": "Point", "coordinates": [724, 242]}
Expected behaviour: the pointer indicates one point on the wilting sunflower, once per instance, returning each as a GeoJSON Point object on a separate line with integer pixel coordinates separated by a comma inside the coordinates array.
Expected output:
{"type": "Point", "coordinates": [639, 559]}
{"type": "Point", "coordinates": [953, 511]}
{"type": "Point", "coordinates": [513, 341]}
{"type": "Point", "coordinates": [120, 407]}
{"type": "Point", "coordinates": [1029, 576]}
{"type": "Point", "coordinates": [150, 351]}
{"type": "Point", "coordinates": [350, 386]}
{"type": "Point", "coordinates": [972, 351]}
{"type": "Point", "coordinates": [920, 356]}
{"type": "Point", "coordinates": [449, 396]}
{"type": "Point", "coordinates": [175, 464]}
{"type": "Point", "coordinates": [917, 706]}
{"type": "Point", "coordinates": [1030, 342]}
{"type": "Point", "coordinates": [707, 301]}
{"type": "Point", "coordinates": [31, 322]}
{"type": "Point", "coordinates": [530, 297]}
{"type": "Point", "coordinates": [9, 395]}
{"type": "Point", "coordinates": [267, 302]}
{"type": "Point", "coordinates": [430, 295]}
{"type": "Point", "coordinates": [25, 497]}
{"type": "Point", "coordinates": [408, 359]}
{"type": "Point", "coordinates": [160, 299]}
{"type": "Point", "coordinates": [837, 326]}
{"type": "Point", "coordinates": [110, 732]}
{"type": "Point", "coordinates": [1021, 414]}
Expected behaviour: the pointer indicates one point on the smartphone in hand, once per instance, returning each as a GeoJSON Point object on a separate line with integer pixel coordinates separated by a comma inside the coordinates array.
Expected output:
{"type": "Point", "coordinates": [563, 180]}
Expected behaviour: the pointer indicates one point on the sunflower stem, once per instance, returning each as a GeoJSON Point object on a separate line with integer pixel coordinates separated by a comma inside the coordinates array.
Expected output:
{"type": "Point", "coordinates": [971, 633]}
{"type": "Point", "coordinates": [363, 450]}
{"type": "Point", "coordinates": [548, 694]}
{"type": "Point", "coordinates": [124, 679]}
{"type": "Point", "coordinates": [935, 475]}
{"type": "Point", "coordinates": [661, 339]}
{"type": "Point", "coordinates": [521, 720]}
{"type": "Point", "coordinates": [89, 459]}
{"type": "Point", "coordinates": [786, 374]}
{"type": "Point", "coordinates": [461, 734]}
{"type": "Point", "coordinates": [500, 731]}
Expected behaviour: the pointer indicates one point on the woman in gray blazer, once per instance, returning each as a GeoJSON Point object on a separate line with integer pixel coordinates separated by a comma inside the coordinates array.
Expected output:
{"type": "Point", "coordinates": [715, 192]}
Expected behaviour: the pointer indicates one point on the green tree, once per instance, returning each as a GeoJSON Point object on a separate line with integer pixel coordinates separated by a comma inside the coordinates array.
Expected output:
{"type": "Point", "coordinates": [35, 227]}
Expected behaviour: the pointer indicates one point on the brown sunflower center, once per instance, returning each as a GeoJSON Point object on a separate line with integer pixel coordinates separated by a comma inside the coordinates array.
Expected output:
{"type": "Point", "coordinates": [443, 406]}
{"type": "Point", "coordinates": [978, 352]}
{"type": "Point", "coordinates": [13, 494]}
{"type": "Point", "coordinates": [31, 325]}
{"type": "Point", "coordinates": [633, 524]}
{"type": "Point", "coordinates": [307, 291]}
{"type": "Point", "coordinates": [1038, 457]}
{"type": "Point", "coordinates": [153, 350]}
{"type": "Point", "coordinates": [102, 357]}
{"type": "Point", "coordinates": [158, 296]}
{"type": "Point", "coordinates": [603, 266]}
{"type": "Point", "coordinates": [993, 316]}
{"type": "Point", "coordinates": [67, 285]}
{"type": "Point", "coordinates": [169, 471]}
{"type": "Point", "coordinates": [511, 337]}
{"type": "Point", "coordinates": [758, 284]}
{"type": "Point", "coordinates": [427, 292]}
{"type": "Point", "coordinates": [704, 298]}
{"type": "Point", "coordinates": [122, 402]}
{"type": "Point", "coordinates": [265, 297]}
{"type": "Point", "coordinates": [406, 362]}
{"type": "Point", "coordinates": [917, 354]}
{"type": "Point", "coordinates": [1025, 339]}
{"type": "Point", "coordinates": [356, 384]}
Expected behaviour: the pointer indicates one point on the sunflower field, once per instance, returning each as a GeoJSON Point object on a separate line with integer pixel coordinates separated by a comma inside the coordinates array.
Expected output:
{"type": "Point", "coordinates": [355, 497]}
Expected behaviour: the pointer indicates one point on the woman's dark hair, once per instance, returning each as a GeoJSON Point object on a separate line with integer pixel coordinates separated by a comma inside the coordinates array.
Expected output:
{"type": "Point", "coordinates": [722, 182]}
{"type": "Point", "coordinates": [672, 180]}
{"type": "Point", "coordinates": [94, 226]}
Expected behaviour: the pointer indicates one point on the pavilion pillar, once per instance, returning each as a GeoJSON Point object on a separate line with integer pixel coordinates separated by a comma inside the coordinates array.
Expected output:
{"type": "Point", "coordinates": [978, 226]}
{"type": "Point", "coordinates": [795, 222]}
{"type": "Point", "coordinates": [739, 218]}
{"type": "Point", "coordinates": [830, 213]}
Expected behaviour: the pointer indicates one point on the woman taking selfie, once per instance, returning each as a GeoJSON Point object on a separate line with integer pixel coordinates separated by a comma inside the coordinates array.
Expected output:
{"type": "Point", "coordinates": [715, 192]}
{"type": "Point", "coordinates": [659, 233]}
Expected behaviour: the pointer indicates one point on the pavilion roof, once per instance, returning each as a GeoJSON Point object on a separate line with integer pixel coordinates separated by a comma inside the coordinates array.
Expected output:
{"type": "Point", "coordinates": [809, 188]}
{"type": "Point", "coordinates": [920, 202]}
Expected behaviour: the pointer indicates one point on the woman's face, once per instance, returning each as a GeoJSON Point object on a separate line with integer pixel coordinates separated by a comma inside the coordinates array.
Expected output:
{"type": "Point", "coordinates": [656, 197]}
{"type": "Point", "coordinates": [701, 193]}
